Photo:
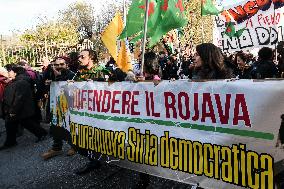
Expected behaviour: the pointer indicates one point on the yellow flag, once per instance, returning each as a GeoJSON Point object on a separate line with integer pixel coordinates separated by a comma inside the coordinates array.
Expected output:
{"type": "Point", "coordinates": [112, 31]}
{"type": "Point", "coordinates": [124, 59]}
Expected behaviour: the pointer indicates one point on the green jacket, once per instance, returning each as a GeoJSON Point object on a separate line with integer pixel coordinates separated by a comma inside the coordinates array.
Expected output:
{"type": "Point", "coordinates": [96, 73]}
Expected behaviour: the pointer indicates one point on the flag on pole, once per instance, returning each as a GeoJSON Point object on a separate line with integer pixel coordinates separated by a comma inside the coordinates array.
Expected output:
{"type": "Point", "coordinates": [208, 8]}
{"type": "Point", "coordinates": [172, 14]}
{"type": "Point", "coordinates": [164, 15]}
{"type": "Point", "coordinates": [110, 34]}
{"type": "Point", "coordinates": [135, 17]}
{"type": "Point", "coordinates": [231, 30]}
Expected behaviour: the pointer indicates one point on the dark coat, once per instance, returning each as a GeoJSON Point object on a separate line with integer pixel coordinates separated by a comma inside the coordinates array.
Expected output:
{"type": "Point", "coordinates": [200, 73]}
{"type": "Point", "coordinates": [65, 75]}
{"type": "Point", "coordinates": [264, 69]}
{"type": "Point", "coordinates": [18, 98]}
{"type": "Point", "coordinates": [244, 74]}
{"type": "Point", "coordinates": [170, 72]}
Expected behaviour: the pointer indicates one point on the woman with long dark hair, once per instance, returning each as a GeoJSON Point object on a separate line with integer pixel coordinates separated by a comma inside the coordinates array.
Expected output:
{"type": "Point", "coordinates": [209, 63]}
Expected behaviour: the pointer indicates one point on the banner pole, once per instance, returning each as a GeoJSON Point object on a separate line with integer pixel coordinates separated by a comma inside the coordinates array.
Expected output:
{"type": "Point", "coordinates": [124, 13]}
{"type": "Point", "coordinates": [276, 28]}
{"type": "Point", "coordinates": [202, 30]}
{"type": "Point", "coordinates": [144, 37]}
{"type": "Point", "coordinates": [202, 26]}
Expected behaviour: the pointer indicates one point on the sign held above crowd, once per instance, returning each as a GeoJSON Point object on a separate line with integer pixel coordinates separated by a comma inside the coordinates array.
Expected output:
{"type": "Point", "coordinates": [261, 23]}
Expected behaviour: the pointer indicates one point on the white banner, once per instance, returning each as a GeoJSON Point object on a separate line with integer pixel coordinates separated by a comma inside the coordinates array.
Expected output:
{"type": "Point", "coordinates": [212, 133]}
{"type": "Point", "coordinates": [263, 21]}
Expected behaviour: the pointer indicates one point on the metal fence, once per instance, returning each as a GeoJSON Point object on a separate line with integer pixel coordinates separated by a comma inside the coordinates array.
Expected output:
{"type": "Point", "coordinates": [36, 53]}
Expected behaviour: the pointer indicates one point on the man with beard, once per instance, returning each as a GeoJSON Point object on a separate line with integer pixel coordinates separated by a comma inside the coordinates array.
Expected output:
{"type": "Point", "coordinates": [60, 69]}
{"type": "Point", "coordinates": [61, 73]}
{"type": "Point", "coordinates": [89, 69]}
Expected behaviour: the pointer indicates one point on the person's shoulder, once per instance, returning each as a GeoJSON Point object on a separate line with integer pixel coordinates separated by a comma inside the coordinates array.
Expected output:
{"type": "Point", "coordinates": [256, 62]}
{"type": "Point", "coordinates": [22, 83]}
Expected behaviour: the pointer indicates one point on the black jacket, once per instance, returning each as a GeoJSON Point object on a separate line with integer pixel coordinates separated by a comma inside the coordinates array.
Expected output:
{"type": "Point", "coordinates": [65, 75]}
{"type": "Point", "coordinates": [170, 72]}
{"type": "Point", "coordinates": [18, 98]}
{"type": "Point", "coordinates": [244, 73]}
{"type": "Point", "coordinates": [264, 69]}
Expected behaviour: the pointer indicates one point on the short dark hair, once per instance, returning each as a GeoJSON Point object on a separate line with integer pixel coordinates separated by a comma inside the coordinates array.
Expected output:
{"type": "Point", "coordinates": [9, 66]}
{"type": "Point", "coordinates": [242, 55]}
{"type": "Point", "coordinates": [67, 59]}
{"type": "Point", "coordinates": [265, 53]}
{"type": "Point", "coordinates": [18, 70]}
{"type": "Point", "coordinates": [92, 54]}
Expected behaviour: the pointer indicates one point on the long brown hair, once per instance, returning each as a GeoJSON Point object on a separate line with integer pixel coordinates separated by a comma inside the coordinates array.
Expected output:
{"type": "Point", "coordinates": [213, 66]}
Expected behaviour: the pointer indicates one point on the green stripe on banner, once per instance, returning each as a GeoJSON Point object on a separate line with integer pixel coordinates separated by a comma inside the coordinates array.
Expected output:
{"type": "Point", "coordinates": [238, 132]}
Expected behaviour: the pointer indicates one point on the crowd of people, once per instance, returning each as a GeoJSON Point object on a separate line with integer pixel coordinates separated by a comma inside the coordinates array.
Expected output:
{"type": "Point", "coordinates": [268, 63]}
{"type": "Point", "coordinates": [23, 91]}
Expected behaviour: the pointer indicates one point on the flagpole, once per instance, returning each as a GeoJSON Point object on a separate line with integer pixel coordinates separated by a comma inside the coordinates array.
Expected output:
{"type": "Point", "coordinates": [144, 37]}
{"type": "Point", "coordinates": [124, 13]}
{"type": "Point", "coordinates": [276, 58]}
{"type": "Point", "coordinates": [202, 25]}
{"type": "Point", "coordinates": [202, 30]}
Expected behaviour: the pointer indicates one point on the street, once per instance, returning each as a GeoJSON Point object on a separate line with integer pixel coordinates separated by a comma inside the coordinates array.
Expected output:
{"type": "Point", "coordinates": [21, 167]}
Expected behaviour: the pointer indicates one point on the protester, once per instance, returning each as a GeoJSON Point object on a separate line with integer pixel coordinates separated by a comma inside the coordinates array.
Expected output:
{"type": "Point", "coordinates": [90, 70]}
{"type": "Point", "coordinates": [162, 59]}
{"type": "Point", "coordinates": [110, 64]}
{"type": "Point", "coordinates": [243, 70]}
{"type": "Point", "coordinates": [37, 86]}
{"type": "Point", "coordinates": [264, 67]}
{"type": "Point", "coordinates": [48, 76]}
{"type": "Point", "coordinates": [61, 70]}
{"type": "Point", "coordinates": [151, 66]}
{"type": "Point", "coordinates": [171, 69]}
{"type": "Point", "coordinates": [185, 72]}
{"type": "Point", "coordinates": [19, 108]}
{"type": "Point", "coordinates": [61, 73]}
{"type": "Point", "coordinates": [209, 63]}
{"type": "Point", "coordinates": [116, 74]}
{"type": "Point", "coordinates": [29, 70]}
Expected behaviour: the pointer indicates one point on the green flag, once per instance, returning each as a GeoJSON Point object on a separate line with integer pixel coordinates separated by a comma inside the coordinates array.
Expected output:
{"type": "Point", "coordinates": [208, 8]}
{"type": "Point", "coordinates": [231, 30]}
{"type": "Point", "coordinates": [172, 16]}
{"type": "Point", "coordinates": [135, 17]}
{"type": "Point", "coordinates": [164, 15]}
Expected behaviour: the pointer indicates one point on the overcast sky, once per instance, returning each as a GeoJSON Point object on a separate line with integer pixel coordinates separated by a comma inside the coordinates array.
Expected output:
{"type": "Point", "coordinates": [18, 15]}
